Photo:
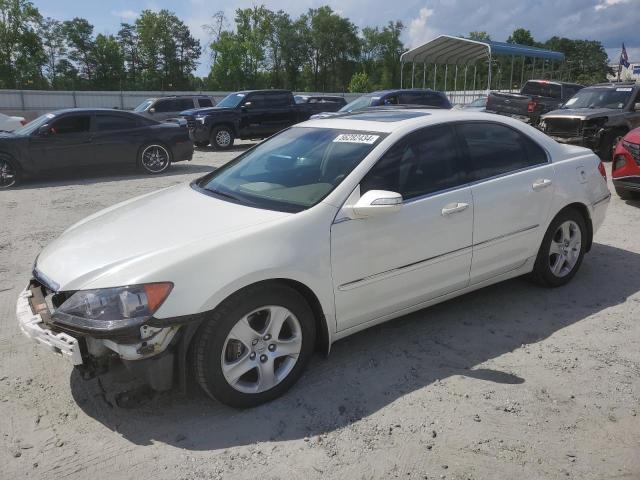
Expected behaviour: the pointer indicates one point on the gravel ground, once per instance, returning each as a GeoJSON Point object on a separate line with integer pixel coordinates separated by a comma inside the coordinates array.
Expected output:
{"type": "Point", "coordinates": [513, 381]}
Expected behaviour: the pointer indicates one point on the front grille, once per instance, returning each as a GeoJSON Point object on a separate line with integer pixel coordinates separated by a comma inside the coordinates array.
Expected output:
{"type": "Point", "coordinates": [191, 121]}
{"type": "Point", "coordinates": [633, 149]}
{"type": "Point", "coordinates": [563, 127]}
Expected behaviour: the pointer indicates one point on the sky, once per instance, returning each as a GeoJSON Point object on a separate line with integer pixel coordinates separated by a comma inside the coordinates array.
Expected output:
{"type": "Point", "coordinates": [609, 21]}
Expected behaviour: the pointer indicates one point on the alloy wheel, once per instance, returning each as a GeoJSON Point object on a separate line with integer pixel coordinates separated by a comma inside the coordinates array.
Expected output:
{"type": "Point", "coordinates": [261, 349]}
{"type": "Point", "coordinates": [8, 176]}
{"type": "Point", "coordinates": [155, 158]}
{"type": "Point", "coordinates": [223, 138]}
{"type": "Point", "coordinates": [565, 248]}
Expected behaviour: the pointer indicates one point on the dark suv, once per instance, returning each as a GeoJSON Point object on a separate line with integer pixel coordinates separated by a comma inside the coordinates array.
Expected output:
{"type": "Point", "coordinates": [409, 96]}
{"type": "Point", "coordinates": [596, 117]}
{"type": "Point", "coordinates": [163, 108]}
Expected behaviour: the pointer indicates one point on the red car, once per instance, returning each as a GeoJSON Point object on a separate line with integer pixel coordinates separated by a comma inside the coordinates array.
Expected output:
{"type": "Point", "coordinates": [625, 171]}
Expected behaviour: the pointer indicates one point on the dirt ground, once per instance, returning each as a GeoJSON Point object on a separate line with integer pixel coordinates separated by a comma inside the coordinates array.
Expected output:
{"type": "Point", "coordinates": [513, 381]}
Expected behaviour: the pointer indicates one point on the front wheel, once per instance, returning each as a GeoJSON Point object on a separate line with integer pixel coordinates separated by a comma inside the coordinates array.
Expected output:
{"type": "Point", "coordinates": [562, 250]}
{"type": "Point", "coordinates": [154, 158]}
{"type": "Point", "coordinates": [608, 144]}
{"type": "Point", "coordinates": [222, 138]}
{"type": "Point", "coordinates": [255, 346]}
{"type": "Point", "coordinates": [9, 173]}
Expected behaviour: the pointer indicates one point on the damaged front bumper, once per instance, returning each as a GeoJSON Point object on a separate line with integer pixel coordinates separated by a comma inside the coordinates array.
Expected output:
{"type": "Point", "coordinates": [148, 352]}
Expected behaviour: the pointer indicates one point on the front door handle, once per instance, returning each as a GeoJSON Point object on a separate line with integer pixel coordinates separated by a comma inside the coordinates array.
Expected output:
{"type": "Point", "coordinates": [454, 207]}
{"type": "Point", "coordinates": [541, 183]}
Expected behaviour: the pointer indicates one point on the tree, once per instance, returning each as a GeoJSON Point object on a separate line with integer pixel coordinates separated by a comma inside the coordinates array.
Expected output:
{"type": "Point", "coordinates": [167, 51]}
{"type": "Point", "coordinates": [480, 36]}
{"type": "Point", "coordinates": [55, 48]}
{"type": "Point", "coordinates": [128, 40]}
{"type": "Point", "coordinates": [79, 37]}
{"type": "Point", "coordinates": [359, 83]}
{"type": "Point", "coordinates": [21, 53]}
{"type": "Point", "coordinates": [586, 61]}
{"type": "Point", "coordinates": [521, 36]}
{"type": "Point", "coordinates": [109, 63]}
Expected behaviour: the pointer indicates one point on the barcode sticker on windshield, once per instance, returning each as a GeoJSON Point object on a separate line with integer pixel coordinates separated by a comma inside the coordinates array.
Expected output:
{"type": "Point", "coordinates": [356, 138]}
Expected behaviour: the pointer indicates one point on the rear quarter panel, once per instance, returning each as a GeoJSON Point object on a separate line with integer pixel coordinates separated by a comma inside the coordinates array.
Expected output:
{"type": "Point", "coordinates": [579, 181]}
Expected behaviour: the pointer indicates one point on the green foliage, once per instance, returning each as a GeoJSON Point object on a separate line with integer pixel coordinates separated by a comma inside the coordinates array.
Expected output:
{"type": "Point", "coordinates": [359, 83]}
{"type": "Point", "coordinates": [318, 51]}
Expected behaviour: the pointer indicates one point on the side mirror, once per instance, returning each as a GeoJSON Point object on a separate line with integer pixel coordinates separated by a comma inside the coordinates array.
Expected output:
{"type": "Point", "coordinates": [152, 110]}
{"type": "Point", "coordinates": [375, 203]}
{"type": "Point", "coordinates": [247, 104]}
{"type": "Point", "coordinates": [44, 131]}
{"type": "Point", "coordinates": [636, 106]}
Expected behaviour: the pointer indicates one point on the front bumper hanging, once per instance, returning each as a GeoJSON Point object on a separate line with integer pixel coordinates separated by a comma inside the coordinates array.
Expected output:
{"type": "Point", "coordinates": [33, 326]}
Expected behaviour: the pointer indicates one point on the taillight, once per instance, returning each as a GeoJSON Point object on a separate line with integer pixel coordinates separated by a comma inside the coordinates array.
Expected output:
{"type": "Point", "coordinates": [602, 171]}
{"type": "Point", "coordinates": [531, 106]}
{"type": "Point", "coordinates": [619, 161]}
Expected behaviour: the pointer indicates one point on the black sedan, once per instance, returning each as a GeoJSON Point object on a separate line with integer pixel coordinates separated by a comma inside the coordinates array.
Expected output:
{"type": "Point", "coordinates": [67, 139]}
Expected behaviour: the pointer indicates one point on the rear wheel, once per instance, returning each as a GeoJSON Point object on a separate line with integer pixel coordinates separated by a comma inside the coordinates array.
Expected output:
{"type": "Point", "coordinates": [9, 173]}
{"type": "Point", "coordinates": [562, 250]}
{"type": "Point", "coordinates": [608, 145]}
{"type": "Point", "coordinates": [255, 346]}
{"type": "Point", "coordinates": [627, 194]}
{"type": "Point", "coordinates": [154, 158]}
{"type": "Point", "coordinates": [222, 138]}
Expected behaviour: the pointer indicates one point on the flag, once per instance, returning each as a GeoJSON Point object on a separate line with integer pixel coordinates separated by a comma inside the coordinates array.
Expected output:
{"type": "Point", "coordinates": [624, 59]}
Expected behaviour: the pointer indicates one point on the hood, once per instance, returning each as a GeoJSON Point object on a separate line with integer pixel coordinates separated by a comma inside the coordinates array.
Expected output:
{"type": "Point", "coordinates": [583, 113]}
{"type": "Point", "coordinates": [205, 111]}
{"type": "Point", "coordinates": [6, 135]}
{"type": "Point", "coordinates": [144, 234]}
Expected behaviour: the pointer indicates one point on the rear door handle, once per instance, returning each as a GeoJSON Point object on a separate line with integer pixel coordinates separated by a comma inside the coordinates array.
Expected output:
{"type": "Point", "coordinates": [454, 207]}
{"type": "Point", "coordinates": [541, 183]}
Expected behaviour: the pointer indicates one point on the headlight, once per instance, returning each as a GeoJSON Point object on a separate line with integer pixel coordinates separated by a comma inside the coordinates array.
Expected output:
{"type": "Point", "coordinates": [543, 125]}
{"type": "Point", "coordinates": [200, 119]}
{"type": "Point", "coordinates": [112, 304]}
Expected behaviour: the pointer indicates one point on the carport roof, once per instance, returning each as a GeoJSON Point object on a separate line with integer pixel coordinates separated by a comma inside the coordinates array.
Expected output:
{"type": "Point", "coordinates": [446, 49]}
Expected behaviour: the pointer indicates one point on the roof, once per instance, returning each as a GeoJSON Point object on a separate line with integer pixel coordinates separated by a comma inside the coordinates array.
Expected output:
{"type": "Point", "coordinates": [459, 51]}
{"type": "Point", "coordinates": [90, 110]}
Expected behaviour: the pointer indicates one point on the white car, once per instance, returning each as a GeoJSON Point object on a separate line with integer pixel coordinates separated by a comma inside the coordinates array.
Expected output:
{"type": "Point", "coordinates": [325, 229]}
{"type": "Point", "coordinates": [9, 123]}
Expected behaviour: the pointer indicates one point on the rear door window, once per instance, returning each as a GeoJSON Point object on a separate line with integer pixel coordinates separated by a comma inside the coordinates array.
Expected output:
{"type": "Point", "coordinates": [492, 150]}
{"type": "Point", "coordinates": [106, 123]}
{"type": "Point", "coordinates": [205, 102]}
{"type": "Point", "coordinates": [277, 100]}
{"type": "Point", "coordinates": [183, 104]}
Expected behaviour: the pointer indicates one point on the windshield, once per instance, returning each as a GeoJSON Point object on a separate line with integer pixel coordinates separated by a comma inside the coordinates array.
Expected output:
{"type": "Point", "coordinates": [293, 170]}
{"type": "Point", "coordinates": [542, 89]}
{"type": "Point", "coordinates": [32, 126]}
{"type": "Point", "coordinates": [231, 101]}
{"type": "Point", "coordinates": [600, 98]}
{"type": "Point", "coordinates": [358, 104]}
{"type": "Point", "coordinates": [143, 106]}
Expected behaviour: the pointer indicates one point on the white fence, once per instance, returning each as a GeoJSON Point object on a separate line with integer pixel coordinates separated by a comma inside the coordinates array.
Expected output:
{"type": "Point", "coordinates": [31, 103]}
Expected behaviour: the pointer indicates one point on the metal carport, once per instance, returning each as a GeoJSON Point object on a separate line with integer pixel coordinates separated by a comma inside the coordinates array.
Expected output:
{"type": "Point", "coordinates": [448, 50]}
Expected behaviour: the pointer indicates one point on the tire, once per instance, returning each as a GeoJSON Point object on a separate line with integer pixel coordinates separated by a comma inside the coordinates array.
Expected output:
{"type": "Point", "coordinates": [607, 145]}
{"type": "Point", "coordinates": [154, 158]}
{"type": "Point", "coordinates": [548, 271]}
{"type": "Point", "coordinates": [9, 172]}
{"type": "Point", "coordinates": [201, 144]}
{"type": "Point", "coordinates": [231, 370]}
{"type": "Point", "coordinates": [222, 138]}
{"type": "Point", "coordinates": [627, 194]}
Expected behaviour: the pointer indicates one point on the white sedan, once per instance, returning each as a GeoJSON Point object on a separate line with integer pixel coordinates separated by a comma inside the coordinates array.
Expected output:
{"type": "Point", "coordinates": [10, 123]}
{"type": "Point", "coordinates": [325, 229]}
